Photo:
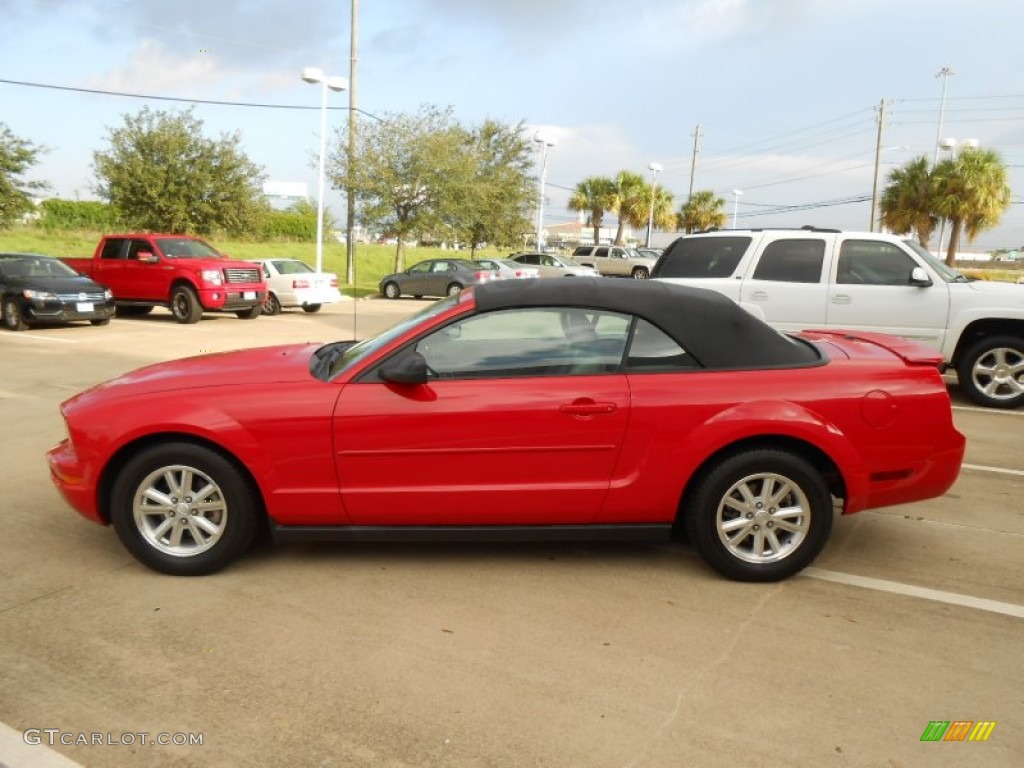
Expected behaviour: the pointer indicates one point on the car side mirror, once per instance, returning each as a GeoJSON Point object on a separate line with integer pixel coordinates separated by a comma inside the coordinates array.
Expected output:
{"type": "Point", "coordinates": [919, 277]}
{"type": "Point", "coordinates": [146, 257]}
{"type": "Point", "coordinates": [410, 368]}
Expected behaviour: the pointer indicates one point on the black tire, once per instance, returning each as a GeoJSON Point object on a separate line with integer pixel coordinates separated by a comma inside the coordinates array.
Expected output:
{"type": "Point", "coordinates": [100, 321]}
{"type": "Point", "coordinates": [251, 313]}
{"type": "Point", "coordinates": [132, 310]}
{"type": "Point", "coordinates": [14, 320]}
{"type": "Point", "coordinates": [271, 305]}
{"type": "Point", "coordinates": [783, 550]}
{"type": "Point", "coordinates": [311, 308]}
{"type": "Point", "coordinates": [640, 273]}
{"type": "Point", "coordinates": [417, 296]}
{"type": "Point", "coordinates": [991, 372]}
{"type": "Point", "coordinates": [231, 513]}
{"type": "Point", "coordinates": [185, 305]}
{"type": "Point", "coordinates": [392, 291]}
{"type": "Point", "coordinates": [453, 289]}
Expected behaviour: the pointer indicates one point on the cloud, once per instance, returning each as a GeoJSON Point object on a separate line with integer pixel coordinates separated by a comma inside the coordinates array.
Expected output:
{"type": "Point", "coordinates": [152, 69]}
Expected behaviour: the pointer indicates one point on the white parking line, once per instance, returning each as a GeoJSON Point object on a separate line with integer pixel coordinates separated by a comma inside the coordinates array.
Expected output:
{"type": "Point", "coordinates": [909, 590]}
{"type": "Point", "coordinates": [991, 411]}
{"type": "Point", "coordinates": [998, 470]}
{"type": "Point", "coordinates": [38, 337]}
{"type": "Point", "coordinates": [15, 753]}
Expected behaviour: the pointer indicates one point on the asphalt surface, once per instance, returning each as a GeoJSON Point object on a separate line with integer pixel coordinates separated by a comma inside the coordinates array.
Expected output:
{"type": "Point", "coordinates": [523, 655]}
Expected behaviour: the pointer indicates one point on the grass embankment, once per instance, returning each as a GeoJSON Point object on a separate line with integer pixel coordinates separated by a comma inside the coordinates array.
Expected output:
{"type": "Point", "coordinates": [372, 261]}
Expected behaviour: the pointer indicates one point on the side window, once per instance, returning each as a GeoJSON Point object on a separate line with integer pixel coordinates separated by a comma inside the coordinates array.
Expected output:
{"type": "Point", "coordinates": [439, 266]}
{"type": "Point", "coordinates": [702, 257]}
{"type": "Point", "coordinates": [871, 262]}
{"type": "Point", "coordinates": [791, 261]}
{"type": "Point", "coordinates": [419, 269]}
{"type": "Point", "coordinates": [543, 341]}
{"type": "Point", "coordinates": [618, 253]}
{"type": "Point", "coordinates": [547, 261]}
{"type": "Point", "coordinates": [528, 259]}
{"type": "Point", "coordinates": [601, 253]}
{"type": "Point", "coordinates": [112, 248]}
{"type": "Point", "coordinates": [651, 349]}
{"type": "Point", "coordinates": [138, 246]}
{"type": "Point", "coordinates": [266, 270]}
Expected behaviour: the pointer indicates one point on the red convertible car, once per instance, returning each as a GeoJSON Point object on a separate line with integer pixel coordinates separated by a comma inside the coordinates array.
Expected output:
{"type": "Point", "coordinates": [537, 409]}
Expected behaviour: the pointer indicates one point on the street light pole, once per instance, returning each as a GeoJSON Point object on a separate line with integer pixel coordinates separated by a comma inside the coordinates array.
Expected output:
{"type": "Point", "coordinates": [545, 141]}
{"type": "Point", "coordinates": [735, 205]}
{"type": "Point", "coordinates": [316, 75]}
{"type": "Point", "coordinates": [656, 168]}
{"type": "Point", "coordinates": [944, 73]}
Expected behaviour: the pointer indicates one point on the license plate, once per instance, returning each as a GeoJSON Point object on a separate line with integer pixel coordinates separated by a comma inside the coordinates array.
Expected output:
{"type": "Point", "coordinates": [249, 295]}
{"type": "Point", "coordinates": [84, 306]}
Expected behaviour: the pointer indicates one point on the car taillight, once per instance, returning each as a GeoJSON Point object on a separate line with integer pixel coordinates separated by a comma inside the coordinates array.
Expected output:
{"type": "Point", "coordinates": [334, 282]}
{"type": "Point", "coordinates": [484, 276]}
{"type": "Point", "coordinates": [300, 283]}
{"type": "Point", "coordinates": [521, 273]}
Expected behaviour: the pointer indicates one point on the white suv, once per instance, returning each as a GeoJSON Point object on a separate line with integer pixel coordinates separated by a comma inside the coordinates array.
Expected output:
{"type": "Point", "coordinates": [866, 281]}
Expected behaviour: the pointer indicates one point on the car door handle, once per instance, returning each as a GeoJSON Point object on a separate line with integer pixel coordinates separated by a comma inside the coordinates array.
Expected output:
{"type": "Point", "coordinates": [842, 298]}
{"type": "Point", "coordinates": [759, 295]}
{"type": "Point", "coordinates": [586, 408]}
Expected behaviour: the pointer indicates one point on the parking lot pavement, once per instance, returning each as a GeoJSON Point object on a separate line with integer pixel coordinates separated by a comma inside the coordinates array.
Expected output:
{"type": "Point", "coordinates": [519, 655]}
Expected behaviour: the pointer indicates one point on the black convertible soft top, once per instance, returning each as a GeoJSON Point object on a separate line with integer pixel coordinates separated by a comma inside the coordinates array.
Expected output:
{"type": "Point", "coordinates": [711, 327]}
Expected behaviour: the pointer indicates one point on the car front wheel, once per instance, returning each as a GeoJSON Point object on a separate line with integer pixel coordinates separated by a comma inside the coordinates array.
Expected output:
{"type": "Point", "coordinates": [311, 308]}
{"type": "Point", "coordinates": [760, 515]}
{"type": "Point", "coordinates": [183, 509]}
{"type": "Point", "coordinates": [14, 320]}
{"type": "Point", "coordinates": [185, 305]}
{"type": "Point", "coordinates": [251, 313]}
{"type": "Point", "coordinates": [392, 291]}
{"type": "Point", "coordinates": [991, 372]}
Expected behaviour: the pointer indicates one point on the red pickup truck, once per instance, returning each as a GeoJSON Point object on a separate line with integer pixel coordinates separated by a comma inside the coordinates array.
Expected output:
{"type": "Point", "coordinates": [182, 273]}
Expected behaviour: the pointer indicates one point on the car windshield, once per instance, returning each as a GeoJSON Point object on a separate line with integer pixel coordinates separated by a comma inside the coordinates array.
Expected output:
{"type": "Point", "coordinates": [35, 266]}
{"type": "Point", "coordinates": [330, 364]}
{"type": "Point", "coordinates": [187, 248]}
{"type": "Point", "coordinates": [565, 261]}
{"type": "Point", "coordinates": [945, 271]}
{"type": "Point", "coordinates": [292, 267]}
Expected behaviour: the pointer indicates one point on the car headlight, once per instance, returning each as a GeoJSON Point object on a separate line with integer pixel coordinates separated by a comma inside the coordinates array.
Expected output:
{"type": "Point", "coordinates": [28, 293]}
{"type": "Point", "coordinates": [212, 276]}
{"type": "Point", "coordinates": [108, 294]}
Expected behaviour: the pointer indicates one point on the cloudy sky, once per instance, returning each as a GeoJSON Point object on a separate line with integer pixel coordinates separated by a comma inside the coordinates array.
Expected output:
{"type": "Point", "coordinates": [786, 92]}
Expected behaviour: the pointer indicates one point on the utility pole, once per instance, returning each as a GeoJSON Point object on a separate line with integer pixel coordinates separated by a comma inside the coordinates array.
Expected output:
{"type": "Point", "coordinates": [350, 224]}
{"type": "Point", "coordinates": [944, 73]}
{"type": "Point", "coordinates": [878, 162]}
{"type": "Point", "coordinates": [693, 162]}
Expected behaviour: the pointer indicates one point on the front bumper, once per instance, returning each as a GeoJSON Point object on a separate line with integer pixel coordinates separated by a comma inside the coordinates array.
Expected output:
{"type": "Point", "coordinates": [232, 298]}
{"type": "Point", "coordinates": [72, 478]}
{"type": "Point", "coordinates": [59, 311]}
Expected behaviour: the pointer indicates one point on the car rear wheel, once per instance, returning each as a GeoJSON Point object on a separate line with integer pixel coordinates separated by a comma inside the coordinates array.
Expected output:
{"type": "Point", "coordinates": [271, 306]}
{"type": "Point", "coordinates": [991, 372]}
{"type": "Point", "coordinates": [392, 291]}
{"type": "Point", "coordinates": [100, 321]}
{"type": "Point", "coordinates": [183, 509]}
{"type": "Point", "coordinates": [760, 515]}
{"type": "Point", "coordinates": [453, 290]}
{"type": "Point", "coordinates": [14, 320]}
{"type": "Point", "coordinates": [311, 308]}
{"type": "Point", "coordinates": [185, 305]}
{"type": "Point", "coordinates": [640, 273]}
{"type": "Point", "coordinates": [251, 313]}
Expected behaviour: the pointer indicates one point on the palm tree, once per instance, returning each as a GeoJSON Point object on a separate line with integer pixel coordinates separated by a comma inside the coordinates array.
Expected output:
{"type": "Point", "coordinates": [632, 198]}
{"type": "Point", "coordinates": [972, 192]}
{"type": "Point", "coordinates": [594, 196]}
{"type": "Point", "coordinates": [704, 210]}
{"type": "Point", "coordinates": [908, 200]}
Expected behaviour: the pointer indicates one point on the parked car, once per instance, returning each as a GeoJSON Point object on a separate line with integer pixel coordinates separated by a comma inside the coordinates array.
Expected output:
{"type": "Point", "coordinates": [37, 289]}
{"type": "Point", "coordinates": [293, 283]}
{"type": "Point", "coordinates": [870, 281]}
{"type": "Point", "coordinates": [553, 265]}
{"type": "Point", "coordinates": [508, 269]}
{"type": "Point", "coordinates": [638, 407]}
{"type": "Point", "coordinates": [650, 253]}
{"type": "Point", "coordinates": [615, 261]}
{"type": "Point", "coordinates": [435, 277]}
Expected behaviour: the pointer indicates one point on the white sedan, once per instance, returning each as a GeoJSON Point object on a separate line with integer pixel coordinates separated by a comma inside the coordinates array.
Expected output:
{"type": "Point", "coordinates": [293, 283]}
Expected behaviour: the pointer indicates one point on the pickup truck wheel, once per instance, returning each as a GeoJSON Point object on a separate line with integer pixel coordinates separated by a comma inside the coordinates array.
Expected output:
{"type": "Point", "coordinates": [640, 273]}
{"type": "Point", "coordinates": [991, 372]}
{"type": "Point", "coordinates": [310, 307]}
{"type": "Point", "coordinates": [251, 313]}
{"type": "Point", "coordinates": [185, 305]}
{"type": "Point", "coordinates": [13, 319]}
{"type": "Point", "coordinates": [272, 305]}
{"type": "Point", "coordinates": [183, 509]}
{"type": "Point", "coordinates": [392, 291]}
{"type": "Point", "coordinates": [760, 515]}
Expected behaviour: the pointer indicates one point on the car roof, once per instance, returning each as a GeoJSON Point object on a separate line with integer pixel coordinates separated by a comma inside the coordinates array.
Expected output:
{"type": "Point", "coordinates": [713, 328]}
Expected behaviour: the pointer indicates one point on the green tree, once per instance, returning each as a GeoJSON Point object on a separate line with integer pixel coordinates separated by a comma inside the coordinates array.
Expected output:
{"type": "Point", "coordinates": [630, 201]}
{"type": "Point", "coordinates": [704, 210]}
{"type": "Point", "coordinates": [409, 172]}
{"type": "Point", "coordinates": [594, 196]}
{"type": "Point", "coordinates": [907, 203]}
{"type": "Point", "coordinates": [495, 207]}
{"type": "Point", "coordinates": [17, 155]}
{"type": "Point", "coordinates": [161, 174]}
{"type": "Point", "coordinates": [972, 192]}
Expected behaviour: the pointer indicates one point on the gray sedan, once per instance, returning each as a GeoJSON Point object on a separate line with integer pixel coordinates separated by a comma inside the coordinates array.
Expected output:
{"type": "Point", "coordinates": [435, 277]}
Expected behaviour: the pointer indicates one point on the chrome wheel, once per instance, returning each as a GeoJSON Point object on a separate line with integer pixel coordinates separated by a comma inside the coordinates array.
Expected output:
{"type": "Point", "coordinates": [999, 373]}
{"type": "Point", "coordinates": [180, 510]}
{"type": "Point", "coordinates": [763, 518]}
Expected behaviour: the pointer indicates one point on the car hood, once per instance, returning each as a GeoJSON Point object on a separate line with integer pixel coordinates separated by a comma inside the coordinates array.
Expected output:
{"type": "Point", "coordinates": [1011, 292]}
{"type": "Point", "coordinates": [262, 365]}
{"type": "Point", "coordinates": [58, 284]}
